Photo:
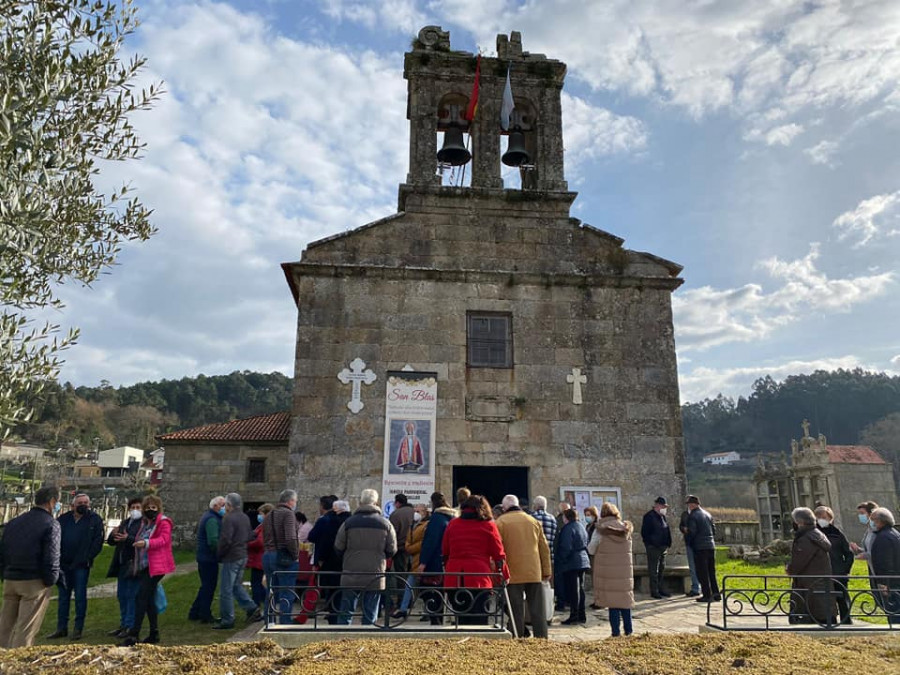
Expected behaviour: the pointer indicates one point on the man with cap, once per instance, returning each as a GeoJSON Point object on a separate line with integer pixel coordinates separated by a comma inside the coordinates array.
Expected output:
{"type": "Point", "coordinates": [701, 537]}
{"type": "Point", "coordinates": [657, 537]}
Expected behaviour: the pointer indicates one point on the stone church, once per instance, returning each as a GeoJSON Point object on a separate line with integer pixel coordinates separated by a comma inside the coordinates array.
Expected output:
{"type": "Point", "coordinates": [548, 345]}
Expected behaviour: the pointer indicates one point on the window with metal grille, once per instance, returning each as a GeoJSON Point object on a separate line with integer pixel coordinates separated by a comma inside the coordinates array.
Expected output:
{"type": "Point", "coordinates": [489, 340]}
{"type": "Point", "coordinates": [256, 471]}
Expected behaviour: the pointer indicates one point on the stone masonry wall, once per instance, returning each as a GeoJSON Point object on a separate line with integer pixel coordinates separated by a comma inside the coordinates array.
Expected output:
{"type": "Point", "coordinates": [195, 473]}
{"type": "Point", "coordinates": [617, 328]}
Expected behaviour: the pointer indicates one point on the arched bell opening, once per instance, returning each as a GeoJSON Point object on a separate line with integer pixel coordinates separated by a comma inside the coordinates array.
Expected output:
{"type": "Point", "coordinates": [519, 156]}
{"type": "Point", "coordinates": [453, 140]}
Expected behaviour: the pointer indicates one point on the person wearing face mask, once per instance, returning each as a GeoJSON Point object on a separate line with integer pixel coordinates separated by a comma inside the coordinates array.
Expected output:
{"type": "Point", "coordinates": [591, 518]}
{"type": "Point", "coordinates": [29, 567]}
{"type": "Point", "coordinates": [863, 550]}
{"type": "Point", "coordinates": [254, 557]}
{"type": "Point", "coordinates": [841, 559]}
{"type": "Point", "coordinates": [121, 569]}
{"type": "Point", "coordinates": [153, 560]}
{"type": "Point", "coordinates": [657, 538]}
{"type": "Point", "coordinates": [207, 560]}
{"type": "Point", "coordinates": [812, 596]}
{"type": "Point", "coordinates": [81, 532]}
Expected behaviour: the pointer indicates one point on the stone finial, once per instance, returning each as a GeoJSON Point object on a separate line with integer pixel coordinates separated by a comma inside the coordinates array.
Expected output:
{"type": "Point", "coordinates": [805, 425]}
{"type": "Point", "coordinates": [509, 47]}
{"type": "Point", "coordinates": [434, 38]}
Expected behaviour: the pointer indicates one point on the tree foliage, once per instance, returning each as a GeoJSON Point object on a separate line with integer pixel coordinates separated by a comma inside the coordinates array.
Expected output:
{"type": "Point", "coordinates": [70, 417]}
{"type": "Point", "coordinates": [66, 98]}
{"type": "Point", "coordinates": [839, 404]}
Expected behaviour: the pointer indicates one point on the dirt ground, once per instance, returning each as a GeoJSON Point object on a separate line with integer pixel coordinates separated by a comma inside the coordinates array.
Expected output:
{"type": "Point", "coordinates": [638, 655]}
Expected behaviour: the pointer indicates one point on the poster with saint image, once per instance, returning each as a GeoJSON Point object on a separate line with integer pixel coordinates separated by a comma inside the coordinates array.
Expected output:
{"type": "Point", "coordinates": [409, 437]}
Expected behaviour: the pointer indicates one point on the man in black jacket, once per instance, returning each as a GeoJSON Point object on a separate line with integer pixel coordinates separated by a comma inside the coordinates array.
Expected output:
{"type": "Point", "coordinates": [122, 568]}
{"type": "Point", "coordinates": [325, 558]}
{"type": "Point", "coordinates": [841, 560]}
{"type": "Point", "coordinates": [81, 540]}
{"type": "Point", "coordinates": [29, 565]}
{"type": "Point", "coordinates": [885, 561]}
{"type": "Point", "coordinates": [701, 537]}
{"type": "Point", "coordinates": [657, 538]}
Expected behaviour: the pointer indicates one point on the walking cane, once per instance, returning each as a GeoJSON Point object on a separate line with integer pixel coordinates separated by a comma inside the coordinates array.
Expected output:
{"type": "Point", "coordinates": [512, 621]}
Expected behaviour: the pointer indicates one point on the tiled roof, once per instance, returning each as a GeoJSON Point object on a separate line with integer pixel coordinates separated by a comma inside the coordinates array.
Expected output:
{"type": "Point", "coordinates": [853, 454]}
{"type": "Point", "coordinates": [262, 428]}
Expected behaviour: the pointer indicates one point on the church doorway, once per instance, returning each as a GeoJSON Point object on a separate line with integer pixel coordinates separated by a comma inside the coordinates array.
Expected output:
{"type": "Point", "coordinates": [494, 482]}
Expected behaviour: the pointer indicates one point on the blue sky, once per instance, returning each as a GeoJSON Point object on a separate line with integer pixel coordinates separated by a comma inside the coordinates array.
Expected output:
{"type": "Point", "coordinates": [752, 142]}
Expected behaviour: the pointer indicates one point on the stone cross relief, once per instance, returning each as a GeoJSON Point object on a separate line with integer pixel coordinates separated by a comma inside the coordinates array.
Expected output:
{"type": "Point", "coordinates": [576, 379]}
{"type": "Point", "coordinates": [358, 373]}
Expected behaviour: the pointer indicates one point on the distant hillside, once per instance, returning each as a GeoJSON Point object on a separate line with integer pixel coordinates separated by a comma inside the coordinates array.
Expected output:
{"type": "Point", "coordinates": [848, 406]}
{"type": "Point", "coordinates": [74, 417]}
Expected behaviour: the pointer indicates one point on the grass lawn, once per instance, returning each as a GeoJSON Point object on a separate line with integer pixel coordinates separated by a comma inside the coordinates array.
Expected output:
{"type": "Point", "coordinates": [174, 627]}
{"type": "Point", "coordinates": [726, 566]}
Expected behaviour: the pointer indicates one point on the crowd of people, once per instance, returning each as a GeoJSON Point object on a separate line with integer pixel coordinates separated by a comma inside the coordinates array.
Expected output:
{"type": "Point", "coordinates": [450, 559]}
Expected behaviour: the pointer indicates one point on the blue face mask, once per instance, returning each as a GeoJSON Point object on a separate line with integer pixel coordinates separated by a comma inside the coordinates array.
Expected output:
{"type": "Point", "coordinates": [57, 508]}
{"type": "Point", "coordinates": [872, 525]}
{"type": "Point", "coordinates": [260, 518]}
{"type": "Point", "coordinates": [222, 511]}
{"type": "Point", "coordinates": [863, 518]}
{"type": "Point", "coordinates": [589, 519]}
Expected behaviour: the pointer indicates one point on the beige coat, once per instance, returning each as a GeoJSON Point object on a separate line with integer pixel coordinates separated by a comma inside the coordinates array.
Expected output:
{"type": "Point", "coordinates": [527, 552]}
{"type": "Point", "coordinates": [414, 542]}
{"type": "Point", "coordinates": [613, 568]}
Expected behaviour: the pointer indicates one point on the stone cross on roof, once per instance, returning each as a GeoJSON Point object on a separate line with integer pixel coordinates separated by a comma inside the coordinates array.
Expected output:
{"type": "Point", "coordinates": [357, 373]}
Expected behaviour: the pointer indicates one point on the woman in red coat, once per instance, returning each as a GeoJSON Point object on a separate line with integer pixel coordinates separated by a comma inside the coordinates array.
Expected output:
{"type": "Point", "coordinates": [472, 544]}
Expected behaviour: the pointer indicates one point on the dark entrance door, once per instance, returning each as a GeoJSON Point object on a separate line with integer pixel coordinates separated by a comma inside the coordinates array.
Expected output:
{"type": "Point", "coordinates": [494, 482]}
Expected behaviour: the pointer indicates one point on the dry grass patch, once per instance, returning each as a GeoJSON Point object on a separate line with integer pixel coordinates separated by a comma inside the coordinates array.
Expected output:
{"type": "Point", "coordinates": [644, 655]}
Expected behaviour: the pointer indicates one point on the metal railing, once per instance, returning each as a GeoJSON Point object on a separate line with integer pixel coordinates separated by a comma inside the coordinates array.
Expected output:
{"type": "Point", "coordinates": [792, 603]}
{"type": "Point", "coordinates": [391, 601]}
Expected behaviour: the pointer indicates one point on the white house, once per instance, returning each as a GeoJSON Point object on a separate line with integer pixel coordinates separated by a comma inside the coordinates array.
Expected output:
{"type": "Point", "coordinates": [722, 458]}
{"type": "Point", "coordinates": [119, 461]}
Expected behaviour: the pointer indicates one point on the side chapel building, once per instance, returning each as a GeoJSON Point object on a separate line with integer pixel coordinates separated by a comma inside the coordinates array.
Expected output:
{"type": "Point", "coordinates": [552, 344]}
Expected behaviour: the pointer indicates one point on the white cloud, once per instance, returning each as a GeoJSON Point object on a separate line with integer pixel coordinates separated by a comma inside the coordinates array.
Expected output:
{"type": "Point", "coordinates": [896, 360]}
{"type": "Point", "coordinates": [706, 317]}
{"type": "Point", "coordinates": [395, 15]}
{"type": "Point", "coordinates": [702, 57]}
{"type": "Point", "coordinates": [869, 219]}
{"type": "Point", "coordinates": [590, 132]}
{"type": "Point", "coordinates": [782, 135]}
{"type": "Point", "coordinates": [703, 382]}
{"type": "Point", "coordinates": [822, 152]}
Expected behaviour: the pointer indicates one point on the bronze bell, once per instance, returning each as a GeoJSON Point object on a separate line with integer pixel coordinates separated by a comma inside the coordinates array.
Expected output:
{"type": "Point", "coordinates": [516, 154]}
{"type": "Point", "coordinates": [454, 151]}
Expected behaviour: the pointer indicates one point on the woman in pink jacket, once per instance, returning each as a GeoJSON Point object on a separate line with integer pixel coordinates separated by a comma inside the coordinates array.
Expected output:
{"type": "Point", "coordinates": [152, 561]}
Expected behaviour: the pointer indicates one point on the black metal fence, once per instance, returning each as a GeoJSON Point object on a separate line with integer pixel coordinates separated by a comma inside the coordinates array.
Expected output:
{"type": "Point", "coordinates": [392, 601]}
{"type": "Point", "coordinates": [792, 603]}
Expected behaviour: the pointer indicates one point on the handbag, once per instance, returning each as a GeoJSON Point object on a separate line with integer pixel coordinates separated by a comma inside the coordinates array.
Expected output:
{"type": "Point", "coordinates": [432, 580]}
{"type": "Point", "coordinates": [161, 600]}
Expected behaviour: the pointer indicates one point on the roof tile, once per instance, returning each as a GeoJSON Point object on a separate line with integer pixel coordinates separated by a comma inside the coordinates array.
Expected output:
{"type": "Point", "coordinates": [273, 427]}
{"type": "Point", "coordinates": [853, 454]}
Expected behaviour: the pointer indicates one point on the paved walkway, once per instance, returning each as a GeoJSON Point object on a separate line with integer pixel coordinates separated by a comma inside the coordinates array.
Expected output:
{"type": "Point", "coordinates": [674, 615]}
{"type": "Point", "coordinates": [678, 614]}
{"type": "Point", "coordinates": [108, 589]}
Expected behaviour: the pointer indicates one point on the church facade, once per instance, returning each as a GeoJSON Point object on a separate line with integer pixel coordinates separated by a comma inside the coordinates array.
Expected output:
{"type": "Point", "coordinates": [546, 346]}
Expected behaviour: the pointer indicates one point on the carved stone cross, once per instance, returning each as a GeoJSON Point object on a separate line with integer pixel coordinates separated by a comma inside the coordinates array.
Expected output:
{"type": "Point", "coordinates": [576, 379]}
{"type": "Point", "coordinates": [358, 373]}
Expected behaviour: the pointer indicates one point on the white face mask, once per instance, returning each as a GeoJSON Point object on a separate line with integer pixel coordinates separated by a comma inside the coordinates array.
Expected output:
{"type": "Point", "coordinates": [823, 523]}
{"type": "Point", "coordinates": [417, 516]}
{"type": "Point", "coordinates": [135, 514]}
{"type": "Point", "coordinates": [663, 512]}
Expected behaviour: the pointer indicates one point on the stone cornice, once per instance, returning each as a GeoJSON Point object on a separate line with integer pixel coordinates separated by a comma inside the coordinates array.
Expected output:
{"type": "Point", "coordinates": [506, 277]}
